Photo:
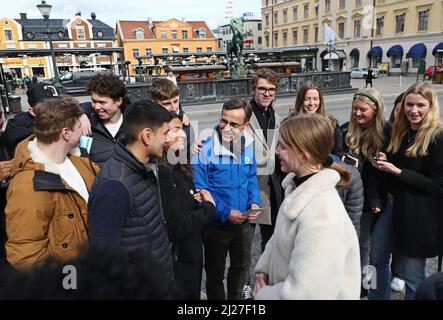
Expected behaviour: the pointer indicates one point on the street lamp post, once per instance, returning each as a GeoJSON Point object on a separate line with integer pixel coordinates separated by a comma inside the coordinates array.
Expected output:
{"type": "Point", "coordinates": [45, 10]}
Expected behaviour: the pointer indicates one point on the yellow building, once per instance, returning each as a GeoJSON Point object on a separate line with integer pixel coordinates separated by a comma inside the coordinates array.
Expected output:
{"type": "Point", "coordinates": [400, 33]}
{"type": "Point", "coordinates": [11, 38]}
{"type": "Point", "coordinates": [152, 39]}
{"type": "Point", "coordinates": [78, 42]}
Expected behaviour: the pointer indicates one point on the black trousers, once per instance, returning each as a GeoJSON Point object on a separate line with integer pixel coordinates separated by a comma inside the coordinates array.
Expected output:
{"type": "Point", "coordinates": [266, 231]}
{"type": "Point", "coordinates": [219, 240]}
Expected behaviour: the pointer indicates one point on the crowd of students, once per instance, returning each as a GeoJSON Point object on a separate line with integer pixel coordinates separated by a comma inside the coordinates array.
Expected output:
{"type": "Point", "coordinates": [329, 200]}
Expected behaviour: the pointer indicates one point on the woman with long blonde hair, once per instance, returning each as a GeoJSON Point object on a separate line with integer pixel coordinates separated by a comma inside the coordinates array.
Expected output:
{"type": "Point", "coordinates": [310, 100]}
{"type": "Point", "coordinates": [366, 134]}
{"type": "Point", "coordinates": [313, 253]}
{"type": "Point", "coordinates": [415, 165]}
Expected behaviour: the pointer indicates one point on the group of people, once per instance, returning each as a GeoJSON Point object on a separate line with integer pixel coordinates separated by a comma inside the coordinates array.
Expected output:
{"type": "Point", "coordinates": [329, 199]}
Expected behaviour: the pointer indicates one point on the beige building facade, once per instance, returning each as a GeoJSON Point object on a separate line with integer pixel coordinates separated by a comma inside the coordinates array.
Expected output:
{"type": "Point", "coordinates": [396, 33]}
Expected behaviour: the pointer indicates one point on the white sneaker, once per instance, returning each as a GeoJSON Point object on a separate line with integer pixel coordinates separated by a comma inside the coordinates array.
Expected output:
{"type": "Point", "coordinates": [397, 284]}
{"type": "Point", "coordinates": [247, 293]}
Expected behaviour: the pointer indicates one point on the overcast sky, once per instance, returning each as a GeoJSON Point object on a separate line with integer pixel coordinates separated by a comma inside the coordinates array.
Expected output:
{"type": "Point", "coordinates": [109, 11]}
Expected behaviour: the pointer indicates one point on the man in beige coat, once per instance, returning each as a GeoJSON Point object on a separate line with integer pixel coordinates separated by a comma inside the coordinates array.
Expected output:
{"type": "Point", "coordinates": [46, 211]}
{"type": "Point", "coordinates": [264, 126]}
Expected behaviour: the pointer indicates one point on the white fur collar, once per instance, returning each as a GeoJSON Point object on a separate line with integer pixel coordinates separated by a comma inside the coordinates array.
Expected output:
{"type": "Point", "coordinates": [38, 156]}
{"type": "Point", "coordinates": [296, 200]}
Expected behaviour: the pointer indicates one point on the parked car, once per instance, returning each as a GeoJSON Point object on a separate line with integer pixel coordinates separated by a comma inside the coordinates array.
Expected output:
{"type": "Point", "coordinates": [75, 82]}
{"type": "Point", "coordinates": [361, 73]}
{"type": "Point", "coordinates": [429, 73]}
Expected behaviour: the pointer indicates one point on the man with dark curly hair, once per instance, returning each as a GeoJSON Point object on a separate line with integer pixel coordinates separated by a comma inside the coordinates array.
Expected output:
{"type": "Point", "coordinates": [106, 115]}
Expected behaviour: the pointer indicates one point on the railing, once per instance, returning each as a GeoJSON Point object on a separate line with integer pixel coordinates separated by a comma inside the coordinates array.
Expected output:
{"type": "Point", "coordinates": [201, 92]}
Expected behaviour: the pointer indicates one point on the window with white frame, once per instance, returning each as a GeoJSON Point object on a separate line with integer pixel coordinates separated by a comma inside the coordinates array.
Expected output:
{"type": "Point", "coordinates": [341, 30]}
{"type": "Point", "coordinates": [327, 6]}
{"type": "Point", "coordinates": [423, 17]}
{"type": "Point", "coordinates": [81, 35]}
{"type": "Point", "coordinates": [139, 34]}
{"type": "Point", "coordinates": [294, 37]}
{"type": "Point", "coordinates": [400, 23]}
{"type": "Point", "coordinates": [163, 34]}
{"type": "Point", "coordinates": [357, 29]}
{"type": "Point", "coordinates": [306, 10]}
{"type": "Point", "coordinates": [380, 26]}
{"type": "Point", "coordinates": [8, 35]}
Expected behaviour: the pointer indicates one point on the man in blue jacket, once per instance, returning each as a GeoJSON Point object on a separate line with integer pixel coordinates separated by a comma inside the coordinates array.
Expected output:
{"type": "Point", "coordinates": [226, 167]}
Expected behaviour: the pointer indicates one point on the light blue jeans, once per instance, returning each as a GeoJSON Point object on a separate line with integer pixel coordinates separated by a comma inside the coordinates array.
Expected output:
{"type": "Point", "coordinates": [380, 253]}
{"type": "Point", "coordinates": [413, 271]}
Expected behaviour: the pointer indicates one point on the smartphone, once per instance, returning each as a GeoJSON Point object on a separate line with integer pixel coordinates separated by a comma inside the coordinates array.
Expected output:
{"type": "Point", "coordinates": [250, 211]}
{"type": "Point", "coordinates": [350, 160]}
{"type": "Point", "coordinates": [377, 159]}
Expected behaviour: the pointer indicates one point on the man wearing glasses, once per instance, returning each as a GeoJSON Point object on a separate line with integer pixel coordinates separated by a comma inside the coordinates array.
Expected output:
{"type": "Point", "coordinates": [264, 126]}
{"type": "Point", "coordinates": [226, 168]}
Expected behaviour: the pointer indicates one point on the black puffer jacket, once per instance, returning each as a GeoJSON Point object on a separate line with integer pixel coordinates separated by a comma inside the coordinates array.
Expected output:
{"type": "Point", "coordinates": [144, 227]}
{"type": "Point", "coordinates": [102, 141]}
{"type": "Point", "coordinates": [185, 220]}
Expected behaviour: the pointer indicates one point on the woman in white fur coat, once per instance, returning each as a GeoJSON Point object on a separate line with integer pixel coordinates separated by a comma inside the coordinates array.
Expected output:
{"type": "Point", "coordinates": [314, 252]}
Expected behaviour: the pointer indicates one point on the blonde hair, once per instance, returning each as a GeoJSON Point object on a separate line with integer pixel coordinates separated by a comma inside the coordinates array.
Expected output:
{"type": "Point", "coordinates": [429, 127]}
{"type": "Point", "coordinates": [301, 94]}
{"type": "Point", "coordinates": [311, 133]}
{"type": "Point", "coordinates": [371, 140]}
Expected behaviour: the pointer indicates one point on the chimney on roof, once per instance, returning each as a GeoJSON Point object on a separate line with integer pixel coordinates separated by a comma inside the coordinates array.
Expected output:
{"type": "Point", "coordinates": [93, 16]}
{"type": "Point", "coordinates": [78, 14]}
{"type": "Point", "coordinates": [150, 22]}
{"type": "Point", "coordinates": [23, 16]}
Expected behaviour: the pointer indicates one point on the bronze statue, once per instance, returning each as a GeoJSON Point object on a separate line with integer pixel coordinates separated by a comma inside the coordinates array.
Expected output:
{"type": "Point", "coordinates": [235, 47]}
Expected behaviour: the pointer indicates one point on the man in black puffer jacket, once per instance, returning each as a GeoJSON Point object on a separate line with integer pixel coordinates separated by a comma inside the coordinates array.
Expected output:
{"type": "Point", "coordinates": [124, 207]}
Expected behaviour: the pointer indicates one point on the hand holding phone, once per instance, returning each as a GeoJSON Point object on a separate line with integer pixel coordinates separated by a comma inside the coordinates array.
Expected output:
{"type": "Point", "coordinates": [350, 160]}
{"type": "Point", "coordinates": [251, 211]}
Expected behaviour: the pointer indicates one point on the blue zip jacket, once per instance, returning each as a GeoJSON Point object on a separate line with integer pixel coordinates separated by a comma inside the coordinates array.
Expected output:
{"type": "Point", "coordinates": [232, 183]}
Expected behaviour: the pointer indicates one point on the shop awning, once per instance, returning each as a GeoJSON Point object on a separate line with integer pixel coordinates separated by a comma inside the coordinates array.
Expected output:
{"type": "Point", "coordinates": [375, 52]}
{"type": "Point", "coordinates": [396, 50]}
{"type": "Point", "coordinates": [438, 47]}
{"type": "Point", "coordinates": [417, 51]}
{"type": "Point", "coordinates": [335, 55]}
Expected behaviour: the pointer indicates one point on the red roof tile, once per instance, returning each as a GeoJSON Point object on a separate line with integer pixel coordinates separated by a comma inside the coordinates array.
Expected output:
{"type": "Point", "coordinates": [198, 25]}
{"type": "Point", "coordinates": [128, 28]}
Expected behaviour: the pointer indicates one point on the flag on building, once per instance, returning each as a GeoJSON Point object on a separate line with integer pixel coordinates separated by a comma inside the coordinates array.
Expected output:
{"type": "Point", "coordinates": [329, 35]}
